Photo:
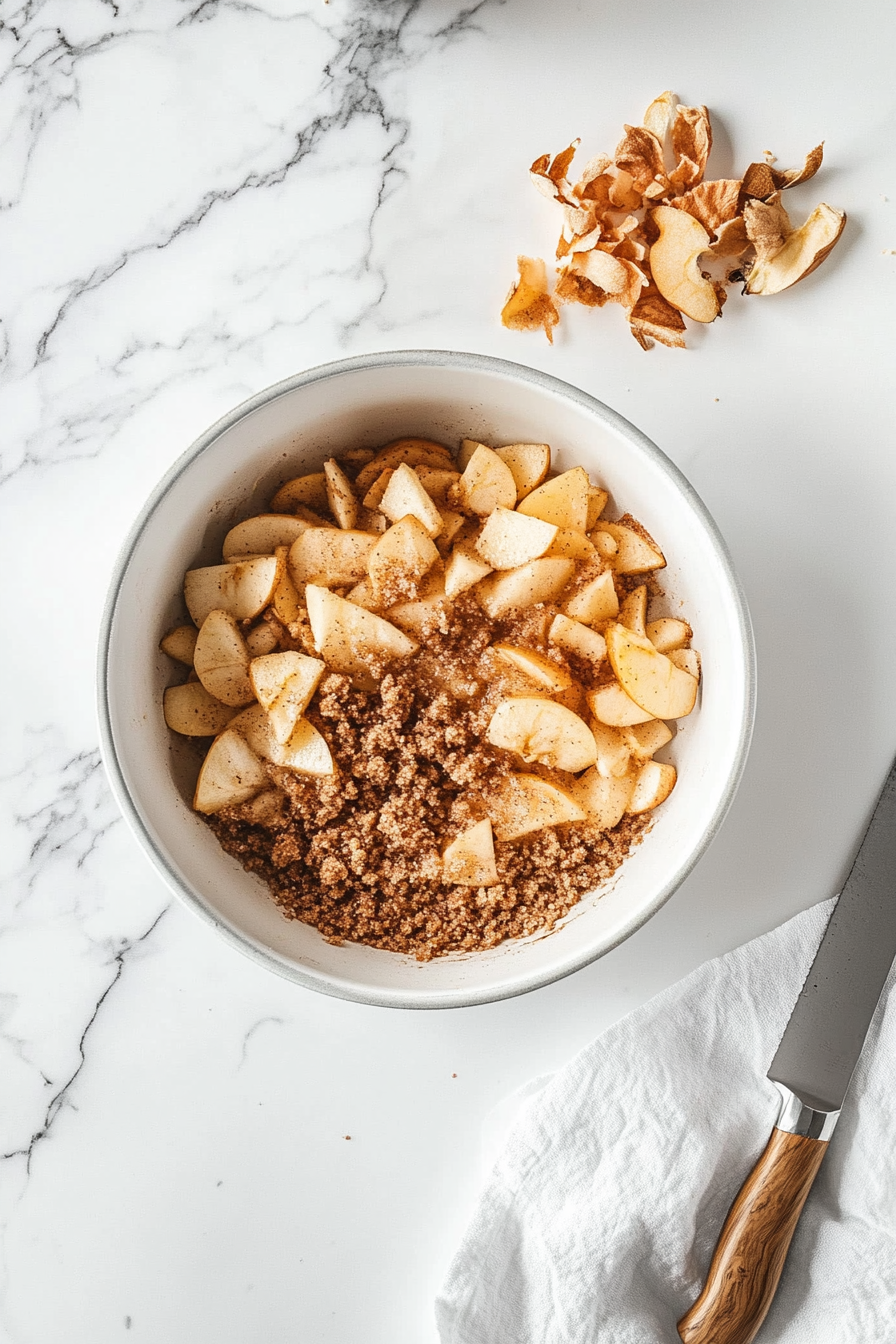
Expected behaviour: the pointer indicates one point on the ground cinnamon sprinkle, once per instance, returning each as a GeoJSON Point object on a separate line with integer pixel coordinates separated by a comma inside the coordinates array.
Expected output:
{"type": "Point", "coordinates": [358, 854]}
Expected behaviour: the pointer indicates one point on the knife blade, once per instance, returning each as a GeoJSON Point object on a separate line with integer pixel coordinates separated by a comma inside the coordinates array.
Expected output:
{"type": "Point", "coordinates": [812, 1069]}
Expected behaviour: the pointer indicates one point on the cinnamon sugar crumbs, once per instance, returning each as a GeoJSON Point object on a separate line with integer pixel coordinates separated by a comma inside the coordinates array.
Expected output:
{"type": "Point", "coordinates": [358, 854]}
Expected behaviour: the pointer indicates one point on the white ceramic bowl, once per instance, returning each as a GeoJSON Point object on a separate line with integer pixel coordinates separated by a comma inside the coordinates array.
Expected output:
{"type": "Point", "coordinates": [230, 473]}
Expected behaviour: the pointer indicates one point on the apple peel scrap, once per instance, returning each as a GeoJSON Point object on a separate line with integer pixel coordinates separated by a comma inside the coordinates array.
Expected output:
{"type": "Point", "coordinates": [645, 230]}
{"type": "Point", "coordinates": [577, 679]}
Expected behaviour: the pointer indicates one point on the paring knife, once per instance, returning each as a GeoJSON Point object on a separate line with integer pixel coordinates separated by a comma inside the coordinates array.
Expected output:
{"type": "Point", "coordinates": [812, 1070]}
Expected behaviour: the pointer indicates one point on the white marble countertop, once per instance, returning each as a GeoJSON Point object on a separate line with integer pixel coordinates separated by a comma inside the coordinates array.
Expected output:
{"type": "Point", "coordinates": [200, 197]}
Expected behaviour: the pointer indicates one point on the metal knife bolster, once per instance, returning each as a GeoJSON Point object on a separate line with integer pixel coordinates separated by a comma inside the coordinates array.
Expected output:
{"type": "Point", "coordinates": [795, 1117]}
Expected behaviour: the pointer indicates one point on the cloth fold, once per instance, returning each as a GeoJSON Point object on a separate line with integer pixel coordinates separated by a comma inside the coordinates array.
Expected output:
{"type": "Point", "coordinates": [601, 1214]}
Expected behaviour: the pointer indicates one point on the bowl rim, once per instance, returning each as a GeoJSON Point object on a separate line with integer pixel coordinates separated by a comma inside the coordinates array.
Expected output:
{"type": "Point", "coordinates": [456, 360]}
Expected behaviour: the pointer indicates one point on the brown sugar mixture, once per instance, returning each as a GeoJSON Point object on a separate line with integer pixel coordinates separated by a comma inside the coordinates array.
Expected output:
{"type": "Point", "coordinates": [358, 854]}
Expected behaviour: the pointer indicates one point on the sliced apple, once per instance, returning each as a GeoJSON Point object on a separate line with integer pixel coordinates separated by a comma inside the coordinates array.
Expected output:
{"type": "Point", "coordinates": [437, 481]}
{"type": "Point", "coordinates": [261, 640]}
{"type": "Point", "coordinates": [305, 751]}
{"type": "Point", "coordinates": [452, 523]}
{"type": "Point", "coordinates": [570, 542]}
{"type": "Point", "coordinates": [613, 752]}
{"type": "Point", "coordinates": [633, 610]}
{"type": "Point", "coordinates": [350, 639]}
{"type": "Point", "coordinates": [309, 490]}
{"type": "Point", "coordinates": [649, 678]}
{"type": "Point", "coordinates": [526, 803]}
{"type": "Point", "coordinates": [284, 684]}
{"type": "Point", "coordinates": [419, 618]}
{"type": "Point", "coordinates": [609, 704]}
{"type": "Point", "coordinates": [595, 602]}
{"type": "Point", "coordinates": [399, 560]}
{"type": "Point", "coordinates": [510, 539]}
{"type": "Point", "coordinates": [668, 633]}
{"type": "Point", "coordinates": [180, 643]}
{"type": "Point", "coordinates": [529, 464]}
{"type": "Point", "coordinates": [534, 665]}
{"type": "Point", "coordinates": [653, 784]}
{"type": "Point", "coordinates": [573, 637]}
{"type": "Point", "coordinates": [541, 730]}
{"type": "Point", "coordinates": [325, 555]}
{"type": "Point", "coordinates": [687, 659]}
{"type": "Point", "coordinates": [221, 660]}
{"type": "Point", "coordinates": [644, 739]}
{"type": "Point", "coordinates": [287, 604]}
{"type": "Point", "coordinates": [515, 589]}
{"type": "Point", "coordinates": [405, 496]}
{"type": "Point", "coordinates": [469, 861]}
{"type": "Point", "coordinates": [562, 500]}
{"type": "Point", "coordinates": [597, 502]}
{"type": "Point", "coordinates": [675, 264]}
{"type": "Point", "coordinates": [192, 712]}
{"type": "Point", "coordinates": [603, 798]}
{"type": "Point", "coordinates": [410, 452]}
{"type": "Point", "coordinates": [231, 774]}
{"type": "Point", "coordinates": [373, 498]}
{"type": "Point", "coordinates": [486, 484]}
{"type": "Point", "coordinates": [462, 571]}
{"type": "Point", "coordinates": [242, 588]}
{"type": "Point", "coordinates": [466, 451]}
{"type": "Point", "coordinates": [262, 535]}
{"type": "Point", "coordinates": [803, 250]}
{"type": "Point", "coordinates": [340, 495]}
{"type": "Point", "coordinates": [635, 551]}
{"type": "Point", "coordinates": [363, 596]}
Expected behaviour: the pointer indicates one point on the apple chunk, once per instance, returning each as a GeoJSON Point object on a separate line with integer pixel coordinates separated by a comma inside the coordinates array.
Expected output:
{"type": "Point", "coordinates": [529, 464]}
{"type": "Point", "coordinates": [405, 495]}
{"type": "Point", "coordinates": [653, 784]}
{"type": "Point", "coordinates": [604, 799]}
{"type": "Point", "coordinates": [191, 711]}
{"type": "Point", "coordinates": [562, 501]}
{"type": "Point", "coordinates": [262, 535]}
{"type": "Point", "coordinates": [510, 539]}
{"type": "Point", "coordinates": [574, 637]}
{"type": "Point", "coordinates": [634, 550]}
{"type": "Point", "coordinates": [535, 665]}
{"type": "Point", "coordinates": [231, 774]}
{"type": "Point", "coordinates": [649, 678]}
{"type": "Point", "coordinates": [595, 602]}
{"type": "Point", "coordinates": [609, 704]}
{"type": "Point", "coordinates": [486, 483]}
{"type": "Point", "coordinates": [514, 589]}
{"type": "Point", "coordinates": [180, 643]}
{"type": "Point", "coordinates": [526, 803]}
{"type": "Point", "coordinates": [340, 495]}
{"type": "Point", "coordinates": [469, 861]}
{"type": "Point", "coordinates": [542, 730]}
{"type": "Point", "coordinates": [327, 555]}
{"type": "Point", "coordinates": [462, 571]}
{"type": "Point", "coordinates": [675, 264]}
{"type": "Point", "coordinates": [221, 660]}
{"type": "Point", "coordinates": [399, 560]}
{"type": "Point", "coordinates": [309, 491]}
{"type": "Point", "coordinates": [242, 588]}
{"type": "Point", "coordinates": [284, 684]}
{"type": "Point", "coordinates": [305, 751]}
{"type": "Point", "coordinates": [668, 633]}
{"type": "Point", "coordinates": [350, 639]}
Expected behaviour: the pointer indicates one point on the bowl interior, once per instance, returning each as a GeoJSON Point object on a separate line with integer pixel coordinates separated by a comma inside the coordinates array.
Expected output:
{"type": "Point", "coordinates": [231, 474]}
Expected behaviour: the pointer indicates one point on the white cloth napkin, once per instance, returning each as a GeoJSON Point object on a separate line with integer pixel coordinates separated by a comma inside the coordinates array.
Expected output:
{"type": "Point", "coordinates": [601, 1214]}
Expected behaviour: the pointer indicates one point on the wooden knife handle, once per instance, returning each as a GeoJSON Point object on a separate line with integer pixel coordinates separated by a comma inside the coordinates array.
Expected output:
{"type": "Point", "coordinates": [753, 1246]}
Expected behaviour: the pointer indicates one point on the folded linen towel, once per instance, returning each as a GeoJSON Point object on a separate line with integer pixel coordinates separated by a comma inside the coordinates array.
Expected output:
{"type": "Point", "coordinates": [601, 1214]}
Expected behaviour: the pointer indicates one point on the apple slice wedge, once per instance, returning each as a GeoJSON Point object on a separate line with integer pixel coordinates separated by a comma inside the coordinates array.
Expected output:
{"type": "Point", "coordinates": [192, 712]}
{"type": "Point", "coordinates": [463, 570]}
{"type": "Point", "coordinates": [604, 799]}
{"type": "Point", "coordinates": [306, 751]}
{"type": "Point", "coordinates": [653, 784]}
{"type": "Point", "coordinates": [350, 639]}
{"type": "Point", "coordinates": [595, 602]}
{"type": "Point", "coordinates": [526, 803]}
{"type": "Point", "coordinates": [221, 660]}
{"type": "Point", "coordinates": [510, 539]}
{"type": "Point", "coordinates": [515, 589]}
{"type": "Point", "coordinates": [469, 861]}
{"type": "Point", "coordinates": [405, 495]}
{"type": "Point", "coordinates": [262, 535]}
{"type": "Point", "coordinates": [536, 666]}
{"type": "Point", "coordinates": [562, 500]}
{"type": "Point", "coordinates": [486, 484]}
{"type": "Point", "coordinates": [573, 637]}
{"type": "Point", "coordinates": [634, 550]}
{"type": "Point", "coordinates": [399, 560]}
{"type": "Point", "coordinates": [284, 684]}
{"type": "Point", "coordinates": [541, 730]}
{"type": "Point", "coordinates": [230, 774]}
{"type": "Point", "coordinates": [242, 588]}
{"type": "Point", "coordinates": [327, 555]}
{"type": "Point", "coordinates": [529, 464]}
{"type": "Point", "coordinates": [609, 704]}
{"type": "Point", "coordinates": [649, 678]}
{"type": "Point", "coordinates": [180, 644]}
{"type": "Point", "coordinates": [675, 264]}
